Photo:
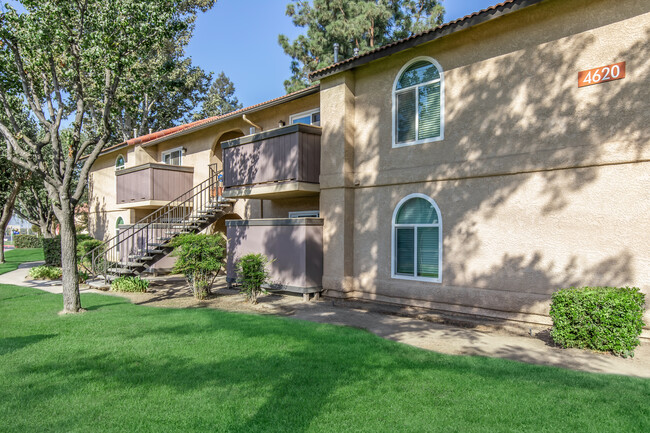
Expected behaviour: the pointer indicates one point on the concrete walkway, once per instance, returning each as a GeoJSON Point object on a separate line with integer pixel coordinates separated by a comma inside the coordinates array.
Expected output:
{"type": "Point", "coordinates": [453, 340]}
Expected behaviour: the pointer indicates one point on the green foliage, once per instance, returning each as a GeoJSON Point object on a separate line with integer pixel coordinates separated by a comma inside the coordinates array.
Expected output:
{"type": "Point", "coordinates": [52, 251]}
{"type": "Point", "coordinates": [220, 98]}
{"type": "Point", "coordinates": [27, 241]}
{"type": "Point", "coordinates": [52, 248]}
{"type": "Point", "coordinates": [45, 273]}
{"type": "Point", "coordinates": [200, 257]}
{"type": "Point", "coordinates": [130, 284]}
{"type": "Point", "coordinates": [598, 318]}
{"type": "Point", "coordinates": [83, 276]}
{"type": "Point", "coordinates": [362, 24]}
{"type": "Point", "coordinates": [252, 274]}
{"type": "Point", "coordinates": [85, 246]}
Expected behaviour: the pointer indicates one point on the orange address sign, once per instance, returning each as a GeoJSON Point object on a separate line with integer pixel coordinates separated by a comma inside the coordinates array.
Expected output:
{"type": "Point", "coordinates": [601, 74]}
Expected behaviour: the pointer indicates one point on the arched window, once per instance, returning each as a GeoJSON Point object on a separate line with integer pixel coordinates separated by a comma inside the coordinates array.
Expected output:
{"type": "Point", "coordinates": [418, 102]}
{"type": "Point", "coordinates": [119, 162]}
{"type": "Point", "coordinates": [118, 223]}
{"type": "Point", "coordinates": [417, 239]}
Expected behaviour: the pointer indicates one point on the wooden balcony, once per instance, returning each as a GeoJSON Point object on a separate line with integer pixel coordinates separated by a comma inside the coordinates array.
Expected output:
{"type": "Point", "coordinates": [283, 162]}
{"type": "Point", "coordinates": [294, 245]}
{"type": "Point", "coordinates": [152, 185]}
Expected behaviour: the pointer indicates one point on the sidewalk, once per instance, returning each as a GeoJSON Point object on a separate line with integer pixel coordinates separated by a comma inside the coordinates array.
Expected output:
{"type": "Point", "coordinates": [453, 340]}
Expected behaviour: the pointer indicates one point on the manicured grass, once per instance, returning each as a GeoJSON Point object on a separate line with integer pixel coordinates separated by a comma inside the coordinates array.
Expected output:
{"type": "Point", "coordinates": [17, 256]}
{"type": "Point", "coordinates": [121, 367]}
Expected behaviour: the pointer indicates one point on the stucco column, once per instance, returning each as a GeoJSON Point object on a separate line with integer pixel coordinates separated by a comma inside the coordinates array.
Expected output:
{"type": "Point", "coordinates": [337, 101]}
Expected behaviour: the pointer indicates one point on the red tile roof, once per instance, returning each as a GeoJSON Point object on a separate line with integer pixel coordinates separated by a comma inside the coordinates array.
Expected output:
{"type": "Point", "coordinates": [443, 28]}
{"type": "Point", "coordinates": [176, 130]}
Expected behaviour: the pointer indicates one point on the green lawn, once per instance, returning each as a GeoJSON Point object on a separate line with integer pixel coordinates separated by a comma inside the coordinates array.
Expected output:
{"type": "Point", "coordinates": [121, 367]}
{"type": "Point", "coordinates": [17, 256]}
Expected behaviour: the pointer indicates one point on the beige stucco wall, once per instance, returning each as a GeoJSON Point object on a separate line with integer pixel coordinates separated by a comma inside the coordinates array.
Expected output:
{"type": "Point", "coordinates": [103, 213]}
{"type": "Point", "coordinates": [200, 152]}
{"type": "Point", "coordinates": [541, 184]}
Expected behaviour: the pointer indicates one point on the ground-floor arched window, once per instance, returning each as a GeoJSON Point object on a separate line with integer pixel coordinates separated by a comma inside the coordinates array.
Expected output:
{"type": "Point", "coordinates": [417, 239]}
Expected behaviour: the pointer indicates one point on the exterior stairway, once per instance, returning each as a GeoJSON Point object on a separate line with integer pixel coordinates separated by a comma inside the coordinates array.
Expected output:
{"type": "Point", "coordinates": [135, 249]}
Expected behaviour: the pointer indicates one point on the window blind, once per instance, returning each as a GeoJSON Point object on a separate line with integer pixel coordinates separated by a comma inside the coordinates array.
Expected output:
{"type": "Point", "coordinates": [405, 246]}
{"type": "Point", "coordinates": [417, 211]}
{"type": "Point", "coordinates": [428, 251]}
{"type": "Point", "coordinates": [406, 116]}
{"type": "Point", "coordinates": [429, 111]}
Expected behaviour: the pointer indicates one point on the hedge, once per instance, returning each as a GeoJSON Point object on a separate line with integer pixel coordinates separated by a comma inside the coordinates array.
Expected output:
{"type": "Point", "coordinates": [608, 319]}
{"type": "Point", "coordinates": [27, 241]}
{"type": "Point", "coordinates": [52, 249]}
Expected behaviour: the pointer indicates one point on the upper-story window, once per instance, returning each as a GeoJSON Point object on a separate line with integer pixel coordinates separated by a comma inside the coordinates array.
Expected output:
{"type": "Point", "coordinates": [418, 102]}
{"type": "Point", "coordinates": [311, 117]}
{"type": "Point", "coordinates": [119, 162]}
{"type": "Point", "coordinates": [173, 156]}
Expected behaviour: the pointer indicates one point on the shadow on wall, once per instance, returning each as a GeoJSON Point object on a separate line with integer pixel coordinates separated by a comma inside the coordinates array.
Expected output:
{"type": "Point", "coordinates": [97, 218]}
{"type": "Point", "coordinates": [295, 251]}
{"type": "Point", "coordinates": [527, 128]}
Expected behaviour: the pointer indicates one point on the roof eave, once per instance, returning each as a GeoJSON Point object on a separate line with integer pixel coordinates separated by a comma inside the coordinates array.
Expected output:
{"type": "Point", "coordinates": [440, 32]}
{"type": "Point", "coordinates": [299, 94]}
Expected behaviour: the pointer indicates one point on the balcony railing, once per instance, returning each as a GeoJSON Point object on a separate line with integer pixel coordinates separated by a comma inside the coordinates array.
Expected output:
{"type": "Point", "coordinates": [152, 184]}
{"type": "Point", "coordinates": [279, 162]}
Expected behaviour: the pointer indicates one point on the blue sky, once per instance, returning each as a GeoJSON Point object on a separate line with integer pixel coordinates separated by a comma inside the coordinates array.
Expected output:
{"type": "Point", "coordinates": [240, 37]}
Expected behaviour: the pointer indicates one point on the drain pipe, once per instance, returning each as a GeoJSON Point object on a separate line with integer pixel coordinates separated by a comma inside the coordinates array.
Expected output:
{"type": "Point", "coordinates": [247, 120]}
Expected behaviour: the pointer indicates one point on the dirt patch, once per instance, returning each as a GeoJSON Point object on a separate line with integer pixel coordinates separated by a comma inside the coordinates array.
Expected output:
{"type": "Point", "coordinates": [176, 293]}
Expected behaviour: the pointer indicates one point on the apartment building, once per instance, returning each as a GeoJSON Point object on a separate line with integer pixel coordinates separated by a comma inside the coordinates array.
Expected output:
{"type": "Point", "coordinates": [474, 168]}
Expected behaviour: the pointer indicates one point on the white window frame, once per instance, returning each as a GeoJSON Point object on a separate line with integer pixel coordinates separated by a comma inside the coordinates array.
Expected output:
{"type": "Point", "coordinates": [170, 151]}
{"type": "Point", "coordinates": [305, 214]}
{"type": "Point", "coordinates": [120, 167]}
{"type": "Point", "coordinates": [303, 114]}
{"type": "Point", "coordinates": [117, 233]}
{"type": "Point", "coordinates": [393, 257]}
{"type": "Point", "coordinates": [417, 111]}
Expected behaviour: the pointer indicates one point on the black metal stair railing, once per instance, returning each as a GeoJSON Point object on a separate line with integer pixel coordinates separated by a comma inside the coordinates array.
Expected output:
{"type": "Point", "coordinates": [137, 247]}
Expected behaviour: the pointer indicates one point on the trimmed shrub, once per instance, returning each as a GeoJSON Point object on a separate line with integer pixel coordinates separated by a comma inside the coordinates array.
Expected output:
{"type": "Point", "coordinates": [45, 273]}
{"type": "Point", "coordinates": [52, 248]}
{"type": "Point", "coordinates": [130, 284]}
{"type": "Point", "coordinates": [200, 258]}
{"type": "Point", "coordinates": [27, 241]}
{"type": "Point", "coordinates": [252, 274]}
{"type": "Point", "coordinates": [607, 319]}
{"type": "Point", "coordinates": [86, 246]}
{"type": "Point", "coordinates": [52, 251]}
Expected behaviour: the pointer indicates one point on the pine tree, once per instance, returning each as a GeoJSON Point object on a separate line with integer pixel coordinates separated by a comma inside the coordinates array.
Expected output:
{"type": "Point", "coordinates": [220, 98]}
{"type": "Point", "coordinates": [353, 24]}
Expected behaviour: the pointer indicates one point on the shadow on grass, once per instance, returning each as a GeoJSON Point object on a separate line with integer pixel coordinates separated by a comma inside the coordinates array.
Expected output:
{"type": "Point", "coordinates": [11, 344]}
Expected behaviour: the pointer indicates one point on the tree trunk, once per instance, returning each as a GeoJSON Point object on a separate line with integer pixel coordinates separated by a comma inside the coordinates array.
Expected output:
{"type": "Point", "coordinates": [71, 298]}
{"type": "Point", "coordinates": [7, 211]}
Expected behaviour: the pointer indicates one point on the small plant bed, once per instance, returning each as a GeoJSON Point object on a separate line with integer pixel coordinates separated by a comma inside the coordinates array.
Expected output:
{"type": "Point", "coordinates": [130, 284]}
{"type": "Point", "coordinates": [45, 273]}
{"type": "Point", "coordinates": [15, 257]}
{"type": "Point", "coordinates": [606, 319]}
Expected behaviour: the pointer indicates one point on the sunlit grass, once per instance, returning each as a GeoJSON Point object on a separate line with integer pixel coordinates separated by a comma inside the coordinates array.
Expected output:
{"type": "Point", "coordinates": [121, 367]}
{"type": "Point", "coordinates": [17, 256]}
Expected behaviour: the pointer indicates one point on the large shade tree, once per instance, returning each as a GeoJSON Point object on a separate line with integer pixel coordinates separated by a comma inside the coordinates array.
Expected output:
{"type": "Point", "coordinates": [66, 61]}
{"type": "Point", "coordinates": [353, 24]}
